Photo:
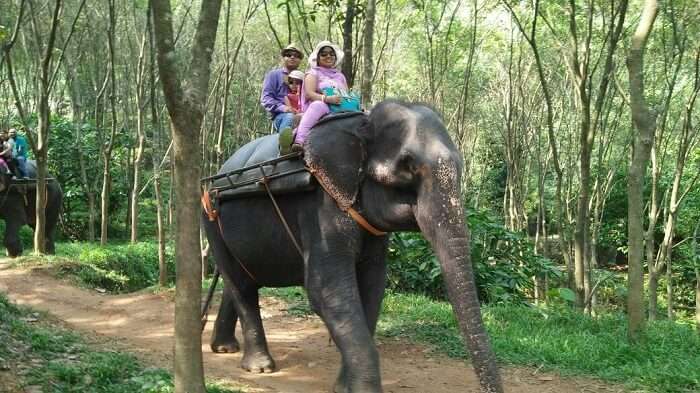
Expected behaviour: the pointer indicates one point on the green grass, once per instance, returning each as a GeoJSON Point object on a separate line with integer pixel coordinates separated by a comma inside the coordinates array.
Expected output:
{"type": "Point", "coordinates": [666, 360]}
{"type": "Point", "coordinates": [117, 267]}
{"type": "Point", "coordinates": [61, 361]}
{"type": "Point", "coordinates": [556, 339]}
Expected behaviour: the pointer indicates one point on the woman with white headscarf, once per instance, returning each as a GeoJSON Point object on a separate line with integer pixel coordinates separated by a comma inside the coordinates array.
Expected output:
{"type": "Point", "coordinates": [324, 73]}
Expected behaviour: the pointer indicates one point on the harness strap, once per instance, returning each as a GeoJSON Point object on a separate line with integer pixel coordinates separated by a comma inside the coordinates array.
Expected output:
{"type": "Point", "coordinates": [213, 215]}
{"type": "Point", "coordinates": [264, 181]}
{"type": "Point", "coordinates": [354, 214]}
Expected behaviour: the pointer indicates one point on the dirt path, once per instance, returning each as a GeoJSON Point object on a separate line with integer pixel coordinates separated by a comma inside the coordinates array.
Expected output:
{"type": "Point", "coordinates": [307, 363]}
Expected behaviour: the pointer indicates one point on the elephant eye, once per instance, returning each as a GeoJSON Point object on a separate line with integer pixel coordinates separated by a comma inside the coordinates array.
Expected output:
{"type": "Point", "coordinates": [406, 168]}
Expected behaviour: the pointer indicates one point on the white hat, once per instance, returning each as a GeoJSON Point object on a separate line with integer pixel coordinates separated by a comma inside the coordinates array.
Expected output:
{"type": "Point", "coordinates": [338, 53]}
{"type": "Point", "coordinates": [296, 74]}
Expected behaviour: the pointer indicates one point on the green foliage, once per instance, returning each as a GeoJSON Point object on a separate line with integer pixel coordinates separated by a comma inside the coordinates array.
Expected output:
{"type": "Point", "coordinates": [298, 303]}
{"type": "Point", "coordinates": [116, 268]}
{"type": "Point", "coordinates": [59, 361]}
{"type": "Point", "coordinates": [558, 338]}
{"type": "Point", "coordinates": [504, 263]}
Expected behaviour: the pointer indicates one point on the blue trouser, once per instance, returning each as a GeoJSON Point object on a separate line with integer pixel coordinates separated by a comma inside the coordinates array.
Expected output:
{"type": "Point", "coordinates": [283, 120]}
{"type": "Point", "coordinates": [21, 166]}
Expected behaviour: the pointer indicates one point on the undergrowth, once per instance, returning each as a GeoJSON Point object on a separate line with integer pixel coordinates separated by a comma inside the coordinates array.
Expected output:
{"type": "Point", "coordinates": [114, 267]}
{"type": "Point", "coordinates": [57, 360]}
{"type": "Point", "coordinates": [555, 338]}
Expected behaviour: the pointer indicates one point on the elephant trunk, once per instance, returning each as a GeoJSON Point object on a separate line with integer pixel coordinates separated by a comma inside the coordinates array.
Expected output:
{"type": "Point", "coordinates": [440, 216]}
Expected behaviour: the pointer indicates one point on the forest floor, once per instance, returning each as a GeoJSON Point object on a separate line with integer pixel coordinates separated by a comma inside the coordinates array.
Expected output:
{"type": "Point", "coordinates": [142, 323]}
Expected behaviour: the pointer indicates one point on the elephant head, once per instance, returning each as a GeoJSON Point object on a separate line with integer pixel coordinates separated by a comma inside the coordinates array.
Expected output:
{"type": "Point", "coordinates": [402, 171]}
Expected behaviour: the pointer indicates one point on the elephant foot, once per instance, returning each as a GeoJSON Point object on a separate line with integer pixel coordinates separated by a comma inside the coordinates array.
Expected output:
{"type": "Point", "coordinates": [341, 383]}
{"type": "Point", "coordinates": [340, 386]}
{"type": "Point", "coordinates": [221, 346]}
{"type": "Point", "coordinates": [258, 363]}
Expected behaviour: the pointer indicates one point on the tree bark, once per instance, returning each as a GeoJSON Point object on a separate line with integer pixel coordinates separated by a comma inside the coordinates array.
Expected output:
{"type": "Point", "coordinates": [368, 48]}
{"type": "Point", "coordinates": [185, 102]}
{"type": "Point", "coordinates": [644, 122]}
{"type": "Point", "coordinates": [696, 261]}
{"type": "Point", "coordinates": [140, 133]}
{"type": "Point", "coordinates": [107, 152]}
{"type": "Point", "coordinates": [347, 66]}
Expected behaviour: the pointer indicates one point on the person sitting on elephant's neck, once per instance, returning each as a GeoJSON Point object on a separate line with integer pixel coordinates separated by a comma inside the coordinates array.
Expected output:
{"type": "Point", "coordinates": [323, 74]}
{"type": "Point", "coordinates": [6, 154]}
{"type": "Point", "coordinates": [19, 151]}
{"type": "Point", "coordinates": [275, 89]}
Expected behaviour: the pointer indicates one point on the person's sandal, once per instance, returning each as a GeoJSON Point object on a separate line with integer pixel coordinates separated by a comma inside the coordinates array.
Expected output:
{"type": "Point", "coordinates": [296, 147]}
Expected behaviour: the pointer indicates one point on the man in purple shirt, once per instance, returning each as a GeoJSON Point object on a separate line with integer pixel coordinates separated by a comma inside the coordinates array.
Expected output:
{"type": "Point", "coordinates": [275, 89]}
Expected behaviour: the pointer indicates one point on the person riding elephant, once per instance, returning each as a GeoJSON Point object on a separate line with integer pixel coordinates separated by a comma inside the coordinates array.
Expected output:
{"type": "Point", "coordinates": [275, 89]}
{"type": "Point", "coordinates": [394, 170]}
{"type": "Point", "coordinates": [17, 208]}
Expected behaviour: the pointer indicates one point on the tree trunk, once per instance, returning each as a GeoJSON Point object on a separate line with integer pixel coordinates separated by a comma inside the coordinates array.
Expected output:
{"type": "Point", "coordinates": [185, 102]}
{"type": "Point", "coordinates": [653, 293]}
{"type": "Point", "coordinates": [347, 66]}
{"type": "Point", "coordinates": [645, 123]}
{"type": "Point", "coordinates": [162, 265]}
{"type": "Point", "coordinates": [368, 73]}
{"type": "Point", "coordinates": [44, 124]}
{"type": "Point", "coordinates": [41, 168]}
{"type": "Point", "coordinates": [649, 240]}
{"type": "Point", "coordinates": [107, 153]}
{"type": "Point", "coordinates": [696, 261]}
{"type": "Point", "coordinates": [140, 133]}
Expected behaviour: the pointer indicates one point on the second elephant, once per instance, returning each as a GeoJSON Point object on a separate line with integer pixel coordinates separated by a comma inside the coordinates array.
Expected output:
{"type": "Point", "coordinates": [18, 208]}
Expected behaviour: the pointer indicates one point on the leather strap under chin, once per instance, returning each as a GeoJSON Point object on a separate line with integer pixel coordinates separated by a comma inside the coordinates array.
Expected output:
{"type": "Point", "coordinates": [352, 212]}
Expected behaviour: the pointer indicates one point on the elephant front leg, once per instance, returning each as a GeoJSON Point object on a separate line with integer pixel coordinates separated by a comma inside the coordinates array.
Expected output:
{"type": "Point", "coordinates": [371, 281]}
{"type": "Point", "coordinates": [334, 295]}
{"type": "Point", "coordinates": [223, 338]}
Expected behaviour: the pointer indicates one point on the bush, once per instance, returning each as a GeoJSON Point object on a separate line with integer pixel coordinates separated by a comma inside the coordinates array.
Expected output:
{"type": "Point", "coordinates": [504, 263]}
{"type": "Point", "coordinates": [117, 268]}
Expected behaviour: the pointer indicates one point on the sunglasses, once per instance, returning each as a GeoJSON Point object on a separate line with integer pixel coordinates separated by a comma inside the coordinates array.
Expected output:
{"type": "Point", "coordinates": [326, 54]}
{"type": "Point", "coordinates": [293, 55]}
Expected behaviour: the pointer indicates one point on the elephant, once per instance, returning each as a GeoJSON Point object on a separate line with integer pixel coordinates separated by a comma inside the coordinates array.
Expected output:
{"type": "Point", "coordinates": [17, 208]}
{"type": "Point", "coordinates": [399, 169]}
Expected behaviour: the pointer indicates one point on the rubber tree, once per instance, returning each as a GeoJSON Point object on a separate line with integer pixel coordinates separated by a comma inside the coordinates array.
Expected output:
{"type": "Point", "coordinates": [185, 97]}
{"type": "Point", "coordinates": [644, 121]}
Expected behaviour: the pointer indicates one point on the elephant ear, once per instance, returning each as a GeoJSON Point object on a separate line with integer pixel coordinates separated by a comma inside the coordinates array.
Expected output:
{"type": "Point", "coordinates": [336, 152]}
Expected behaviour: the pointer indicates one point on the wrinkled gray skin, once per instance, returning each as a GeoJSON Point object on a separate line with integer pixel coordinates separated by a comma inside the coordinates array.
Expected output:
{"type": "Point", "coordinates": [18, 209]}
{"type": "Point", "coordinates": [405, 173]}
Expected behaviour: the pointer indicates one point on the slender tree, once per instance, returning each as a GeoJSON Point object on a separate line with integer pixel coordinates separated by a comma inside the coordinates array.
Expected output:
{"type": "Point", "coordinates": [140, 103]}
{"type": "Point", "coordinates": [185, 98]}
{"type": "Point", "coordinates": [368, 70]}
{"type": "Point", "coordinates": [347, 66]}
{"type": "Point", "coordinates": [644, 121]}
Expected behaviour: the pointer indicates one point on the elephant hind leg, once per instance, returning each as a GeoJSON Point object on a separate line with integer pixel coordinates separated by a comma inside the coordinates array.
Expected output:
{"type": "Point", "coordinates": [223, 338]}
{"type": "Point", "coordinates": [256, 355]}
{"type": "Point", "coordinates": [12, 242]}
{"type": "Point", "coordinates": [240, 301]}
